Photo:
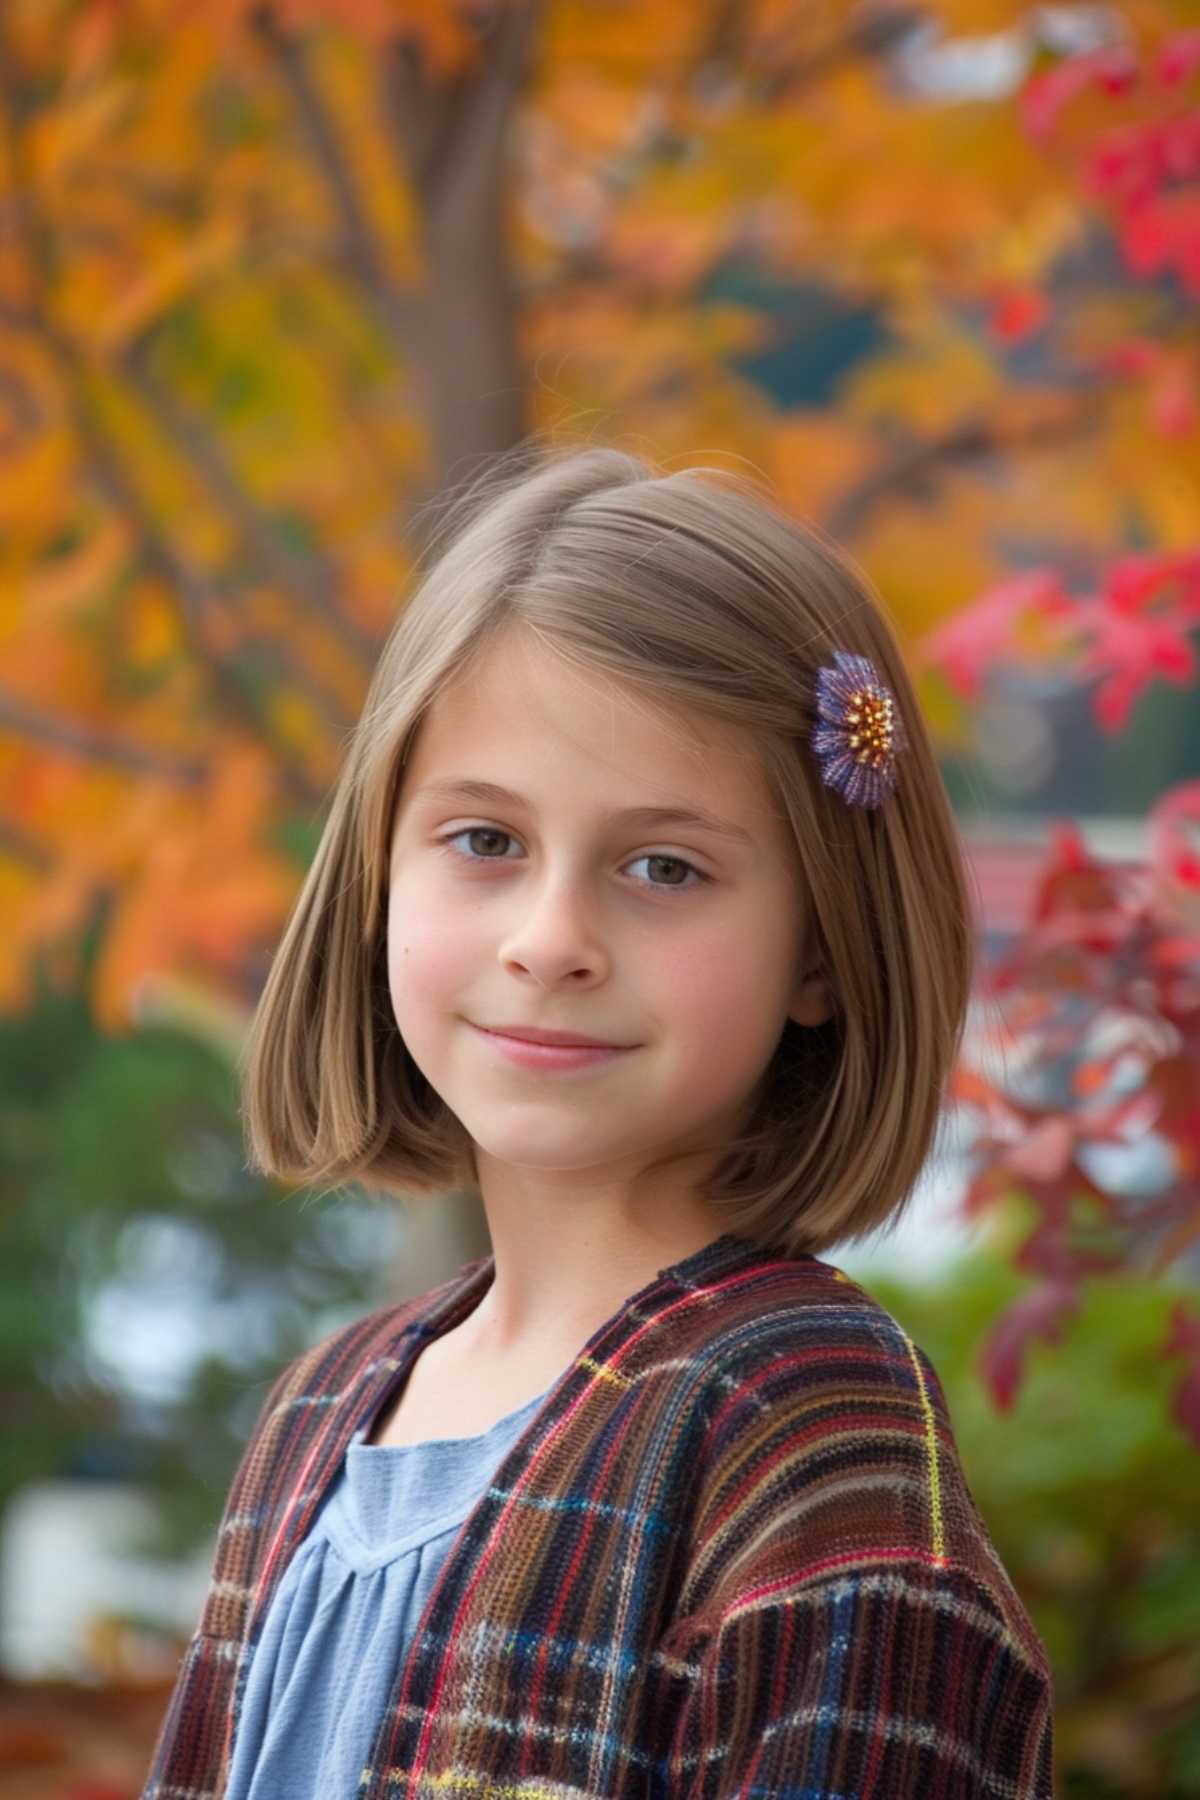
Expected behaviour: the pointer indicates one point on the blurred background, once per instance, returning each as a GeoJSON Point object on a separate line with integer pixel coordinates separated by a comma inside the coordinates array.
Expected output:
{"type": "Point", "coordinates": [272, 279]}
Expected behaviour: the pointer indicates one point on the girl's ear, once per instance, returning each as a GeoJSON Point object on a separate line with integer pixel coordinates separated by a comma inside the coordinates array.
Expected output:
{"type": "Point", "coordinates": [812, 1002]}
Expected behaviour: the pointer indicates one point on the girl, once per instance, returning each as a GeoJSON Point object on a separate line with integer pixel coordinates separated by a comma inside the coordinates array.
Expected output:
{"type": "Point", "coordinates": [640, 910]}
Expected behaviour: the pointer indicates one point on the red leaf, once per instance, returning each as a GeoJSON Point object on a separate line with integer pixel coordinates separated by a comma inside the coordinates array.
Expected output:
{"type": "Point", "coordinates": [1016, 312]}
{"type": "Point", "coordinates": [1133, 356]}
{"type": "Point", "coordinates": [1046, 1151]}
{"type": "Point", "coordinates": [1113, 701]}
{"type": "Point", "coordinates": [1176, 58]}
{"type": "Point", "coordinates": [1123, 166]}
{"type": "Point", "coordinates": [1173, 405]}
{"type": "Point", "coordinates": [1068, 846]}
{"type": "Point", "coordinates": [1177, 146]}
{"type": "Point", "coordinates": [1043, 98]}
{"type": "Point", "coordinates": [967, 645]}
{"type": "Point", "coordinates": [1164, 235]}
{"type": "Point", "coordinates": [1175, 952]}
{"type": "Point", "coordinates": [1183, 1339]}
{"type": "Point", "coordinates": [1130, 642]}
{"type": "Point", "coordinates": [1131, 580]}
{"type": "Point", "coordinates": [1173, 834]}
{"type": "Point", "coordinates": [1040, 1313]}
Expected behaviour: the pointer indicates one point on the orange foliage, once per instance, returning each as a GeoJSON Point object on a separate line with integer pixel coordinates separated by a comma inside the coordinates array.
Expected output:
{"type": "Point", "coordinates": [211, 430]}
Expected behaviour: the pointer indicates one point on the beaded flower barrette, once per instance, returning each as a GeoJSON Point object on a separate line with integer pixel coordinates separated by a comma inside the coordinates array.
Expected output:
{"type": "Point", "coordinates": [859, 730]}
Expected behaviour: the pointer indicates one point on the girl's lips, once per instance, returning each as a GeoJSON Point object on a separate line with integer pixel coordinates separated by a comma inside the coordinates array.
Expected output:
{"type": "Point", "coordinates": [553, 1056]}
{"type": "Point", "coordinates": [531, 1034]}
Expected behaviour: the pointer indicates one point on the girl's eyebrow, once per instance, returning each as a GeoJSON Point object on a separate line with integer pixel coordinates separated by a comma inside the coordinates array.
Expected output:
{"type": "Point", "coordinates": [490, 793]}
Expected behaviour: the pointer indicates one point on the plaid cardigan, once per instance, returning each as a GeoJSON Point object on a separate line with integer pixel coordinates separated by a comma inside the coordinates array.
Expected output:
{"type": "Point", "coordinates": [734, 1553]}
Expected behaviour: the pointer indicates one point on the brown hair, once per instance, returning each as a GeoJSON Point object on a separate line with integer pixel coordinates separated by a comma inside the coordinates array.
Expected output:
{"type": "Point", "coordinates": [694, 587]}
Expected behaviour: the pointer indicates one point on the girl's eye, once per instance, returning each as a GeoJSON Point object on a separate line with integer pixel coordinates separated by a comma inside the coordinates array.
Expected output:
{"type": "Point", "coordinates": [492, 831]}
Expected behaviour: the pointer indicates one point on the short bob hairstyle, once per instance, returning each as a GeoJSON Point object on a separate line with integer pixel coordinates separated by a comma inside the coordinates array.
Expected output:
{"type": "Point", "coordinates": [694, 588]}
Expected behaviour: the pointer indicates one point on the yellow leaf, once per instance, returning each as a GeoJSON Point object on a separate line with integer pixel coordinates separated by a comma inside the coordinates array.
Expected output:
{"type": "Point", "coordinates": [929, 560]}
{"type": "Point", "coordinates": [815, 458]}
{"type": "Point", "coordinates": [152, 630]}
{"type": "Point", "coordinates": [163, 280]}
{"type": "Point", "coordinates": [59, 139]}
{"type": "Point", "coordinates": [927, 386]}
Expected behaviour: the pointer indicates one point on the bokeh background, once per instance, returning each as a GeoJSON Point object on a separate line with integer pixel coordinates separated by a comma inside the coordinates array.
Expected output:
{"type": "Point", "coordinates": [273, 279]}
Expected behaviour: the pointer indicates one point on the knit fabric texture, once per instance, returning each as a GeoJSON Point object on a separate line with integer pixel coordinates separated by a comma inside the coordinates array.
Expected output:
{"type": "Point", "coordinates": [732, 1553]}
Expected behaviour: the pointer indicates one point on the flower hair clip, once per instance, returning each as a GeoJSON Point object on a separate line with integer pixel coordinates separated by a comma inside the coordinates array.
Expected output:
{"type": "Point", "coordinates": [859, 730]}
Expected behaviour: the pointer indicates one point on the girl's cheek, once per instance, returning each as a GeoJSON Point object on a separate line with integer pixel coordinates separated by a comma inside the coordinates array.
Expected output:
{"type": "Point", "coordinates": [425, 947]}
{"type": "Point", "coordinates": [694, 978]}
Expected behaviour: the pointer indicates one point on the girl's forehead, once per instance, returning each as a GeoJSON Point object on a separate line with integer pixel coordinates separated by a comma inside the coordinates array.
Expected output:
{"type": "Point", "coordinates": [533, 747]}
{"type": "Point", "coordinates": [526, 716]}
{"type": "Point", "coordinates": [522, 690]}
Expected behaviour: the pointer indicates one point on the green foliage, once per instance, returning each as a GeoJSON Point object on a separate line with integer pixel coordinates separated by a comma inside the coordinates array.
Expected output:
{"type": "Point", "coordinates": [1091, 1492]}
{"type": "Point", "coordinates": [126, 1198]}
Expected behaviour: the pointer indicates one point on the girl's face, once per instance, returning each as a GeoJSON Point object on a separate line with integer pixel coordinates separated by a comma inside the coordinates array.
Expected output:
{"type": "Point", "coordinates": [546, 907]}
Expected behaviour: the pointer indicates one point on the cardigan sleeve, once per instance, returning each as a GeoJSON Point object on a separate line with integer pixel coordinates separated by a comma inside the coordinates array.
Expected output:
{"type": "Point", "coordinates": [852, 1633]}
{"type": "Point", "coordinates": [889, 1682]}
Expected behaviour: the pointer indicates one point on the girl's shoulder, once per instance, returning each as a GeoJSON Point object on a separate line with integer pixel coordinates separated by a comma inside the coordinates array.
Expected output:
{"type": "Point", "coordinates": [793, 1321]}
{"type": "Point", "coordinates": [810, 1361]}
{"type": "Point", "coordinates": [829, 1433]}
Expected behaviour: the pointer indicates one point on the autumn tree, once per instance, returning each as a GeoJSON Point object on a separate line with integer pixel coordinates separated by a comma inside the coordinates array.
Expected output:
{"type": "Point", "coordinates": [276, 276]}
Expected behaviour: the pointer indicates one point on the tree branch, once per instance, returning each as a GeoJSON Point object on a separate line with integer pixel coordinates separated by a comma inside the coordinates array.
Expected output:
{"type": "Point", "coordinates": [94, 744]}
{"type": "Point", "coordinates": [915, 466]}
{"type": "Point", "coordinates": [397, 310]}
{"type": "Point", "coordinates": [312, 577]}
{"type": "Point", "coordinates": [865, 35]}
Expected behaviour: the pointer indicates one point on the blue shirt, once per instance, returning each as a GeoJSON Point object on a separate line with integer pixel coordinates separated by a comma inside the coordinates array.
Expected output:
{"type": "Point", "coordinates": [341, 1620]}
